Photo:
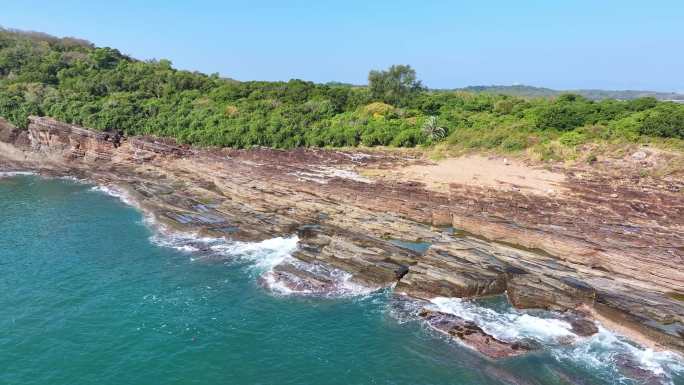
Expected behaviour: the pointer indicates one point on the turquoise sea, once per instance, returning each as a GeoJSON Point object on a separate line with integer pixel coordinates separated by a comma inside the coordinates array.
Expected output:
{"type": "Point", "coordinates": [90, 293]}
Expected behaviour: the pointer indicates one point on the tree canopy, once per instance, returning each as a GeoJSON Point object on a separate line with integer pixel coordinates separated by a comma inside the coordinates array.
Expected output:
{"type": "Point", "coordinates": [396, 86]}
{"type": "Point", "coordinates": [98, 87]}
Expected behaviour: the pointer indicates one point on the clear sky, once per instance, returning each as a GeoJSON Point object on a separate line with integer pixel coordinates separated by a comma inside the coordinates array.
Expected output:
{"type": "Point", "coordinates": [565, 44]}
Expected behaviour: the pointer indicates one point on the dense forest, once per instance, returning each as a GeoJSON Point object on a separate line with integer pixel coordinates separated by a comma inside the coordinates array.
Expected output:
{"type": "Point", "coordinates": [74, 81]}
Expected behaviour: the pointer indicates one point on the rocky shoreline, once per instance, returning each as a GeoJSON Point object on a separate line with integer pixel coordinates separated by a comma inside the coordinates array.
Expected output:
{"type": "Point", "coordinates": [610, 247]}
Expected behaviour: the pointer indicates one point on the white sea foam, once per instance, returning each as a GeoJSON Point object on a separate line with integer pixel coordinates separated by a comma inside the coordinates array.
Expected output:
{"type": "Point", "coordinates": [8, 174]}
{"type": "Point", "coordinates": [115, 192]}
{"type": "Point", "coordinates": [263, 257]}
{"type": "Point", "coordinates": [604, 351]}
{"type": "Point", "coordinates": [279, 287]}
{"type": "Point", "coordinates": [342, 283]}
{"type": "Point", "coordinates": [506, 326]}
{"type": "Point", "coordinates": [607, 351]}
{"type": "Point", "coordinates": [265, 254]}
{"type": "Point", "coordinates": [74, 179]}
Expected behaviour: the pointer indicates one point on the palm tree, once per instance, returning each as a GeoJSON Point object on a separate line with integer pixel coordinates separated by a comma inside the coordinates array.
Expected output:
{"type": "Point", "coordinates": [432, 130]}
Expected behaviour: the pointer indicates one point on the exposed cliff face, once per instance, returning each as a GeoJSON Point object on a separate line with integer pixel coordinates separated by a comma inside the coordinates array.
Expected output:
{"type": "Point", "coordinates": [620, 256]}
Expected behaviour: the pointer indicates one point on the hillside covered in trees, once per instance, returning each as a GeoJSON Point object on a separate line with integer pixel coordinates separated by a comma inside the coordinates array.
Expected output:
{"type": "Point", "coordinates": [74, 81]}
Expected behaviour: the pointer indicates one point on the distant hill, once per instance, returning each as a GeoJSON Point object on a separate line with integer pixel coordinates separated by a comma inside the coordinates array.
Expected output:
{"type": "Point", "coordinates": [541, 92]}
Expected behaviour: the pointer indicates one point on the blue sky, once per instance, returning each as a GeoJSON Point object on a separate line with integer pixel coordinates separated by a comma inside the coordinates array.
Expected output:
{"type": "Point", "coordinates": [560, 44]}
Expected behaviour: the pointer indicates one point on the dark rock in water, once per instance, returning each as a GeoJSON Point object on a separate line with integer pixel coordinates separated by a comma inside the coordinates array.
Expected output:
{"type": "Point", "coordinates": [473, 336]}
{"type": "Point", "coordinates": [631, 369]}
{"type": "Point", "coordinates": [582, 326]}
{"type": "Point", "coordinates": [298, 280]}
{"type": "Point", "coordinates": [406, 308]}
{"type": "Point", "coordinates": [304, 279]}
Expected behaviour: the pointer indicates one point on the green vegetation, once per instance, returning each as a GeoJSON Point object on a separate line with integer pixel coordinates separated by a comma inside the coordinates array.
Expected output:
{"type": "Point", "coordinates": [76, 82]}
{"type": "Point", "coordinates": [541, 92]}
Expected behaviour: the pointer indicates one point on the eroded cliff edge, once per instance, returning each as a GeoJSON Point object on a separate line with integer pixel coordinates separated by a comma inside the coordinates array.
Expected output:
{"type": "Point", "coordinates": [612, 243]}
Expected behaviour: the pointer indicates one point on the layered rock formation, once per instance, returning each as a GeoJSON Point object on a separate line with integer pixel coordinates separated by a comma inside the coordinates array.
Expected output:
{"type": "Point", "coordinates": [611, 242]}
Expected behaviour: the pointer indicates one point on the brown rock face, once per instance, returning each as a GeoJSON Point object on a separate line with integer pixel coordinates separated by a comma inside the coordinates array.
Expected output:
{"type": "Point", "coordinates": [8, 133]}
{"type": "Point", "coordinates": [455, 269]}
{"type": "Point", "coordinates": [370, 260]}
{"type": "Point", "coordinates": [527, 290]}
{"type": "Point", "coordinates": [622, 256]}
{"type": "Point", "coordinates": [69, 141]}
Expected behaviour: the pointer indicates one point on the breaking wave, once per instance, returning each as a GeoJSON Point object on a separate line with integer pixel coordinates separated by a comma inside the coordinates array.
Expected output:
{"type": "Point", "coordinates": [9, 174]}
{"type": "Point", "coordinates": [506, 326]}
{"type": "Point", "coordinates": [74, 179]}
{"type": "Point", "coordinates": [606, 351]}
{"type": "Point", "coordinates": [609, 352]}
{"type": "Point", "coordinates": [114, 192]}
{"type": "Point", "coordinates": [264, 255]}
{"type": "Point", "coordinates": [341, 285]}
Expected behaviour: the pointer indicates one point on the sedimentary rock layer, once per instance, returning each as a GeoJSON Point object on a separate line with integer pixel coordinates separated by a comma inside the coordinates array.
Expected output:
{"type": "Point", "coordinates": [613, 241]}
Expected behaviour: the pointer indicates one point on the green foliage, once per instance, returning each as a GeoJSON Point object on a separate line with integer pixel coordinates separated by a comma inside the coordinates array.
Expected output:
{"type": "Point", "coordinates": [73, 81]}
{"type": "Point", "coordinates": [666, 120]}
{"type": "Point", "coordinates": [523, 91]}
{"type": "Point", "coordinates": [394, 86]}
{"type": "Point", "coordinates": [572, 138]}
{"type": "Point", "coordinates": [432, 130]}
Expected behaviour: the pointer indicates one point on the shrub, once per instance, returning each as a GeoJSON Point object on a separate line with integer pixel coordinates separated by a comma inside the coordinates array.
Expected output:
{"type": "Point", "coordinates": [514, 143]}
{"type": "Point", "coordinates": [378, 109]}
{"type": "Point", "coordinates": [231, 111]}
{"type": "Point", "coordinates": [572, 138]}
{"type": "Point", "coordinates": [666, 120]}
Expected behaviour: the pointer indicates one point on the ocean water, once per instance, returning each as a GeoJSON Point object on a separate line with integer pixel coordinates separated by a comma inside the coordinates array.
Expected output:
{"type": "Point", "coordinates": [90, 293]}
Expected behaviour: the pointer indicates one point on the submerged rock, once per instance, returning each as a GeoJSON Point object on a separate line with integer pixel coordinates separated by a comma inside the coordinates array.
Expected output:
{"type": "Point", "coordinates": [312, 279]}
{"type": "Point", "coordinates": [627, 365]}
{"type": "Point", "coordinates": [582, 325]}
{"type": "Point", "coordinates": [290, 278]}
{"type": "Point", "coordinates": [473, 336]}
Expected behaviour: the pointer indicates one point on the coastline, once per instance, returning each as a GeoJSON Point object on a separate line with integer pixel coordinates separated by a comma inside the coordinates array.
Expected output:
{"type": "Point", "coordinates": [294, 205]}
{"type": "Point", "coordinates": [129, 197]}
